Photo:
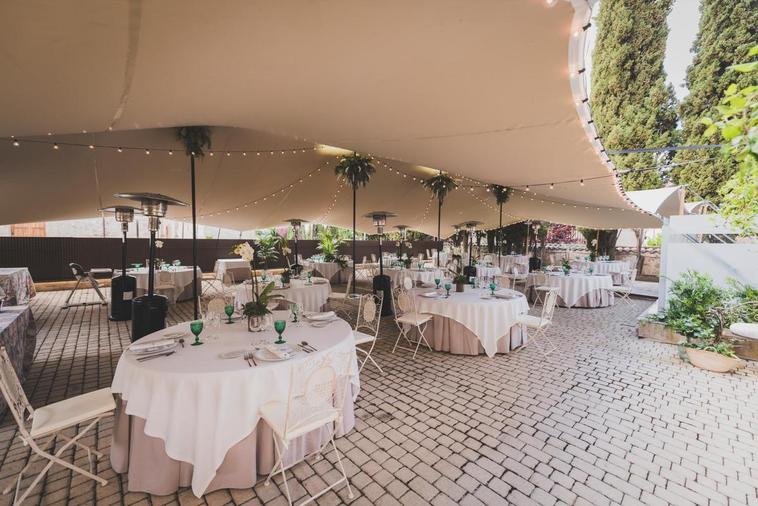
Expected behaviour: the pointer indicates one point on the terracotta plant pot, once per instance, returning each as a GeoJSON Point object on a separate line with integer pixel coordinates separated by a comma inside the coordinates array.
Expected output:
{"type": "Point", "coordinates": [712, 361]}
{"type": "Point", "coordinates": [459, 287]}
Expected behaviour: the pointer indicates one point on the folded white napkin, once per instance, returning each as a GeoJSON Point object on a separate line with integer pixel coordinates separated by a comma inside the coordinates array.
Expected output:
{"type": "Point", "coordinates": [429, 295]}
{"type": "Point", "coordinates": [504, 295]}
{"type": "Point", "coordinates": [276, 352]}
{"type": "Point", "coordinates": [322, 316]}
{"type": "Point", "coordinates": [149, 345]}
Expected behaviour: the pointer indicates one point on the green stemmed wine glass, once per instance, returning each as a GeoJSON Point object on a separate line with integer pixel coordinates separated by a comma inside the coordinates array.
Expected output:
{"type": "Point", "coordinates": [196, 327]}
{"type": "Point", "coordinates": [310, 275]}
{"type": "Point", "coordinates": [229, 310]}
{"type": "Point", "coordinates": [448, 286]}
{"type": "Point", "coordinates": [437, 282]}
{"type": "Point", "coordinates": [493, 286]}
{"type": "Point", "coordinates": [279, 326]}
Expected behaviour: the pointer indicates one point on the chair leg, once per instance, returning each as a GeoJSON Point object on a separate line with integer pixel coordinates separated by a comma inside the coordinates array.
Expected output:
{"type": "Point", "coordinates": [279, 463]}
{"type": "Point", "coordinates": [96, 286]}
{"type": "Point", "coordinates": [72, 292]}
{"type": "Point", "coordinates": [342, 468]}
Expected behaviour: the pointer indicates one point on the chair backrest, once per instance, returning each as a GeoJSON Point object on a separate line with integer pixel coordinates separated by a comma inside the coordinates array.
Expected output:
{"type": "Point", "coordinates": [77, 270]}
{"type": "Point", "coordinates": [488, 259]}
{"type": "Point", "coordinates": [373, 257]}
{"type": "Point", "coordinates": [540, 278]}
{"type": "Point", "coordinates": [164, 277]}
{"type": "Point", "coordinates": [216, 306]}
{"type": "Point", "coordinates": [632, 277]}
{"type": "Point", "coordinates": [14, 394]}
{"type": "Point", "coordinates": [428, 253]}
{"type": "Point", "coordinates": [549, 306]}
{"type": "Point", "coordinates": [515, 270]}
{"type": "Point", "coordinates": [404, 302]}
{"type": "Point", "coordinates": [420, 257]}
{"type": "Point", "coordinates": [316, 390]}
{"type": "Point", "coordinates": [370, 312]}
{"type": "Point", "coordinates": [228, 279]}
{"type": "Point", "coordinates": [408, 283]}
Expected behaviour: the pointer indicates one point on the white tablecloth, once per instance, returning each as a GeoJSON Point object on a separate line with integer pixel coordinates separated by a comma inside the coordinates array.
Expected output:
{"type": "Point", "coordinates": [573, 287]}
{"type": "Point", "coordinates": [202, 405]}
{"type": "Point", "coordinates": [180, 277]}
{"type": "Point", "coordinates": [615, 268]}
{"type": "Point", "coordinates": [239, 268]}
{"type": "Point", "coordinates": [488, 319]}
{"type": "Point", "coordinates": [330, 270]}
{"type": "Point", "coordinates": [426, 276]}
{"type": "Point", "coordinates": [483, 271]}
{"type": "Point", "coordinates": [508, 262]}
{"type": "Point", "coordinates": [308, 297]}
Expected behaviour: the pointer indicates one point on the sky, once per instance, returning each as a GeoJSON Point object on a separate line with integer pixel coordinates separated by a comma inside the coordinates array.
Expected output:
{"type": "Point", "coordinates": [683, 25]}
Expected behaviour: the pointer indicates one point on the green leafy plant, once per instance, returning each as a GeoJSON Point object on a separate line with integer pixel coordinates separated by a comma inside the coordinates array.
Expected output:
{"type": "Point", "coordinates": [329, 245]}
{"type": "Point", "coordinates": [566, 265]}
{"type": "Point", "coordinates": [259, 306]}
{"type": "Point", "coordinates": [693, 296]}
{"type": "Point", "coordinates": [502, 194]}
{"type": "Point", "coordinates": [195, 139]}
{"type": "Point", "coordinates": [356, 170]}
{"type": "Point", "coordinates": [440, 186]}
{"type": "Point", "coordinates": [268, 242]}
{"type": "Point", "coordinates": [655, 241]}
{"type": "Point", "coordinates": [737, 124]}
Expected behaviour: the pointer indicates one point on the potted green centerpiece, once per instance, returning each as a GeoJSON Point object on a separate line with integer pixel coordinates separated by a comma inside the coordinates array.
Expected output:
{"type": "Point", "coordinates": [566, 266]}
{"type": "Point", "coordinates": [257, 311]}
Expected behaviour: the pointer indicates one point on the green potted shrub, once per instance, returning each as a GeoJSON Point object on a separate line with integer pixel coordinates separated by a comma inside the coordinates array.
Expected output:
{"type": "Point", "coordinates": [258, 311]}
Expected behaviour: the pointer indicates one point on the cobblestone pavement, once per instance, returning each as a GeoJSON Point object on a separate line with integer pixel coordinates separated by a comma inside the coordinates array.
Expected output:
{"type": "Point", "coordinates": [608, 419]}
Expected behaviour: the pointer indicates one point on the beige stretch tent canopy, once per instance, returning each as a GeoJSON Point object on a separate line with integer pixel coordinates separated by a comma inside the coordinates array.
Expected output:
{"type": "Point", "coordinates": [485, 90]}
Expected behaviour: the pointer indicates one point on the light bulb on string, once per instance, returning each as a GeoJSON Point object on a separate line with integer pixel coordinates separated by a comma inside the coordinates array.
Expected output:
{"type": "Point", "coordinates": [552, 186]}
{"type": "Point", "coordinates": [170, 152]}
{"type": "Point", "coordinates": [581, 182]}
{"type": "Point", "coordinates": [119, 149]}
{"type": "Point", "coordinates": [15, 142]}
{"type": "Point", "coordinates": [55, 146]}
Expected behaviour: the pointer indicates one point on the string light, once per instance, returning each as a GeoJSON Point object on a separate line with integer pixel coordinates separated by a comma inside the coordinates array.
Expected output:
{"type": "Point", "coordinates": [55, 146]}
{"type": "Point", "coordinates": [15, 142]}
{"type": "Point", "coordinates": [552, 186]}
{"type": "Point", "coordinates": [581, 182]}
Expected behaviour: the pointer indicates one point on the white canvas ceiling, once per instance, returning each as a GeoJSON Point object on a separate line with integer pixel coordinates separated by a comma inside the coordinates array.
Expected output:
{"type": "Point", "coordinates": [479, 89]}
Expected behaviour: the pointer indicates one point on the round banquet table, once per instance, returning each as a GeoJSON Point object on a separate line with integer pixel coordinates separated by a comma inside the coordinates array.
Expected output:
{"type": "Point", "coordinates": [330, 270]}
{"type": "Point", "coordinates": [192, 418]}
{"type": "Point", "coordinates": [576, 289]}
{"type": "Point", "coordinates": [467, 324]}
{"type": "Point", "coordinates": [508, 262]}
{"type": "Point", "coordinates": [181, 278]}
{"type": "Point", "coordinates": [309, 297]}
{"type": "Point", "coordinates": [425, 276]}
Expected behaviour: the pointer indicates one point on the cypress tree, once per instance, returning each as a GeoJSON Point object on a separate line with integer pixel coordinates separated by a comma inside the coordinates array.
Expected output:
{"type": "Point", "coordinates": [728, 28]}
{"type": "Point", "coordinates": [631, 104]}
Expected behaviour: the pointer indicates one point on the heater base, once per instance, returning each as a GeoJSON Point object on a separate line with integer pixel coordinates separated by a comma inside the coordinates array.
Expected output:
{"type": "Point", "coordinates": [384, 284]}
{"type": "Point", "coordinates": [148, 315]}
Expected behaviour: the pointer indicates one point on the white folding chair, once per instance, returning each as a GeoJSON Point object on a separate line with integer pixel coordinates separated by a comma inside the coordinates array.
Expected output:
{"type": "Point", "coordinates": [316, 397]}
{"type": "Point", "coordinates": [624, 290]}
{"type": "Point", "coordinates": [541, 288]}
{"type": "Point", "coordinates": [540, 325]}
{"type": "Point", "coordinates": [165, 286]}
{"type": "Point", "coordinates": [369, 316]}
{"type": "Point", "coordinates": [373, 258]}
{"type": "Point", "coordinates": [81, 275]}
{"type": "Point", "coordinates": [519, 279]}
{"type": "Point", "coordinates": [408, 283]}
{"type": "Point", "coordinates": [48, 422]}
{"type": "Point", "coordinates": [406, 314]}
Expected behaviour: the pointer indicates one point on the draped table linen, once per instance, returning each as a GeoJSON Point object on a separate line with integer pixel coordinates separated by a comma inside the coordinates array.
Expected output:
{"type": "Point", "coordinates": [201, 405]}
{"type": "Point", "coordinates": [329, 270]}
{"type": "Point", "coordinates": [508, 262]}
{"type": "Point", "coordinates": [18, 334]}
{"type": "Point", "coordinates": [576, 289]}
{"type": "Point", "coordinates": [615, 268]}
{"type": "Point", "coordinates": [16, 285]}
{"type": "Point", "coordinates": [311, 297]}
{"type": "Point", "coordinates": [181, 278]}
{"type": "Point", "coordinates": [237, 267]}
{"type": "Point", "coordinates": [488, 319]}
{"type": "Point", "coordinates": [486, 271]}
{"type": "Point", "coordinates": [425, 276]}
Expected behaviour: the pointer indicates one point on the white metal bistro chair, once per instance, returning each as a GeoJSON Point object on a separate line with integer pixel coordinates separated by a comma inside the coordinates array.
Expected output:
{"type": "Point", "coordinates": [367, 325]}
{"type": "Point", "coordinates": [89, 276]}
{"type": "Point", "coordinates": [373, 258]}
{"type": "Point", "coordinates": [541, 288]}
{"type": "Point", "coordinates": [487, 259]}
{"type": "Point", "coordinates": [407, 315]}
{"type": "Point", "coordinates": [540, 324]}
{"type": "Point", "coordinates": [344, 303]}
{"type": "Point", "coordinates": [165, 285]}
{"type": "Point", "coordinates": [519, 279]}
{"type": "Point", "coordinates": [48, 422]}
{"type": "Point", "coordinates": [317, 390]}
{"type": "Point", "coordinates": [624, 290]}
{"type": "Point", "coordinates": [408, 283]}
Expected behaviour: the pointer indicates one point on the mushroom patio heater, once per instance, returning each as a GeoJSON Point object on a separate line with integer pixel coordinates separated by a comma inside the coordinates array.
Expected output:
{"type": "Point", "coordinates": [149, 311]}
{"type": "Point", "coordinates": [382, 282]}
{"type": "Point", "coordinates": [123, 286]}
{"type": "Point", "coordinates": [297, 225]}
{"type": "Point", "coordinates": [470, 270]}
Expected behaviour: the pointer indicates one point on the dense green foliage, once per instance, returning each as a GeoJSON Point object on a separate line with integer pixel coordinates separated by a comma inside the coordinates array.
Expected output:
{"type": "Point", "coordinates": [329, 245]}
{"type": "Point", "coordinates": [631, 104]}
{"type": "Point", "coordinates": [195, 139]}
{"type": "Point", "coordinates": [737, 125]}
{"type": "Point", "coordinates": [600, 242]}
{"type": "Point", "coordinates": [267, 247]}
{"type": "Point", "coordinates": [440, 185]}
{"type": "Point", "coordinates": [356, 169]}
{"type": "Point", "coordinates": [728, 29]}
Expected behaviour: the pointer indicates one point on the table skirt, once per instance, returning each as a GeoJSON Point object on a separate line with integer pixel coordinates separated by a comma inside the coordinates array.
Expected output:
{"type": "Point", "coordinates": [151, 470]}
{"type": "Point", "coordinates": [595, 298]}
{"type": "Point", "coordinates": [451, 336]}
{"type": "Point", "coordinates": [18, 334]}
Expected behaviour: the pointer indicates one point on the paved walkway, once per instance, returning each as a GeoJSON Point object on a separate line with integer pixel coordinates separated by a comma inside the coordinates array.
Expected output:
{"type": "Point", "coordinates": [610, 419]}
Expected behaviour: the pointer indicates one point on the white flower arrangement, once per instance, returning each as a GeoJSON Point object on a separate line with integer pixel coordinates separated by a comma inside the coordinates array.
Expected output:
{"type": "Point", "coordinates": [159, 244]}
{"type": "Point", "coordinates": [594, 242]}
{"type": "Point", "coordinates": [286, 250]}
{"type": "Point", "coordinates": [245, 251]}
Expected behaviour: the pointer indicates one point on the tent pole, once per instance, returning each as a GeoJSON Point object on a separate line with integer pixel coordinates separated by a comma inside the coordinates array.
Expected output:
{"type": "Point", "coordinates": [194, 239]}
